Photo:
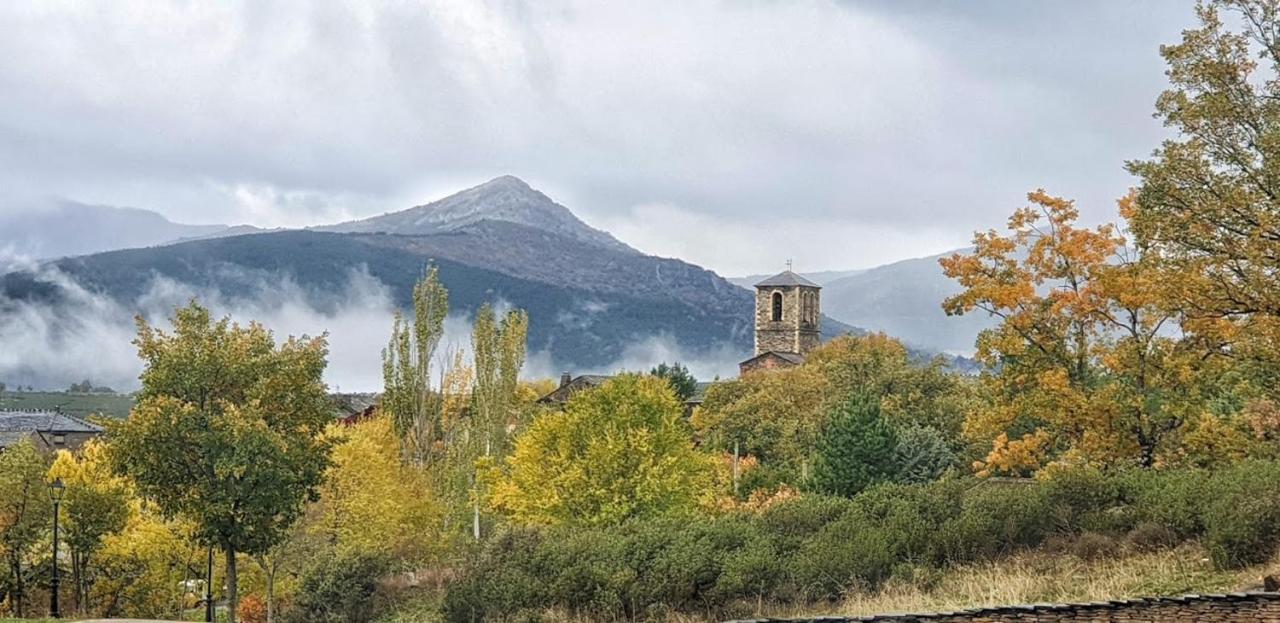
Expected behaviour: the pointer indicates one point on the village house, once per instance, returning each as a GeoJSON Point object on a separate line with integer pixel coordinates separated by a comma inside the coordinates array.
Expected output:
{"type": "Point", "coordinates": [48, 430]}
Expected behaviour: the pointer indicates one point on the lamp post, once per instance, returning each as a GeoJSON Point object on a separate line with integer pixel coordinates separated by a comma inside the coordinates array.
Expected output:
{"type": "Point", "coordinates": [56, 489]}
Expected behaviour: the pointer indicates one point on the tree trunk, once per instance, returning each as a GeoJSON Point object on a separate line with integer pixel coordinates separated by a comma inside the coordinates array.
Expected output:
{"type": "Point", "coordinates": [233, 599]}
{"type": "Point", "coordinates": [271, 593]}
{"type": "Point", "coordinates": [19, 587]}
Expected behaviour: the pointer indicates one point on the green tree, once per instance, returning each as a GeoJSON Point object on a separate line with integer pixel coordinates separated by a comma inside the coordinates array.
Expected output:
{"type": "Point", "coordinates": [856, 450]}
{"type": "Point", "coordinates": [25, 513]}
{"type": "Point", "coordinates": [95, 505]}
{"type": "Point", "coordinates": [922, 454]}
{"type": "Point", "coordinates": [416, 410]}
{"type": "Point", "coordinates": [682, 382]}
{"type": "Point", "coordinates": [616, 452]}
{"type": "Point", "coordinates": [227, 431]}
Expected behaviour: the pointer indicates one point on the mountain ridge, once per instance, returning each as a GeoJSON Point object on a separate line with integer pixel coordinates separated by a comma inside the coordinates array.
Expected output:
{"type": "Point", "coordinates": [505, 199]}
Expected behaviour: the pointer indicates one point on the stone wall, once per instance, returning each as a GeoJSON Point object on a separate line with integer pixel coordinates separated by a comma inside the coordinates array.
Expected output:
{"type": "Point", "coordinates": [798, 331]}
{"type": "Point", "coordinates": [1231, 608]}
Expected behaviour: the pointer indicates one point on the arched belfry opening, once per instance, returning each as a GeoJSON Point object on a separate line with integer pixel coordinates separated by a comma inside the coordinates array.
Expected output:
{"type": "Point", "coordinates": [776, 314]}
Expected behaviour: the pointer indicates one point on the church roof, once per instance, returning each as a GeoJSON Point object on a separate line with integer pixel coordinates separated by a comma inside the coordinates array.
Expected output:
{"type": "Point", "coordinates": [786, 278]}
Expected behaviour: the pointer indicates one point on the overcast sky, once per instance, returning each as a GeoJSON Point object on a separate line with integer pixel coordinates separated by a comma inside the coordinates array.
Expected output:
{"type": "Point", "coordinates": [733, 134]}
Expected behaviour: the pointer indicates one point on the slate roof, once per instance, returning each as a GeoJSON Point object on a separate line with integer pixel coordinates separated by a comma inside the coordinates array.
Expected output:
{"type": "Point", "coordinates": [579, 383]}
{"type": "Point", "coordinates": [795, 358]}
{"type": "Point", "coordinates": [44, 422]}
{"type": "Point", "coordinates": [786, 278]}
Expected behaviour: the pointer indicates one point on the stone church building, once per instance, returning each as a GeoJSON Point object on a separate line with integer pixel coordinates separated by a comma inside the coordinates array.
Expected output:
{"type": "Point", "coordinates": [788, 322]}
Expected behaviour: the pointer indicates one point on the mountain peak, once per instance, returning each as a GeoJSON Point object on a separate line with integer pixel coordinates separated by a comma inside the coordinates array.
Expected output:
{"type": "Point", "coordinates": [506, 182]}
{"type": "Point", "coordinates": [506, 198]}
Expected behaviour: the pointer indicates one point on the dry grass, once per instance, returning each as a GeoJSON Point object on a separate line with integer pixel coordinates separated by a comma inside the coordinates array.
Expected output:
{"type": "Point", "coordinates": [1041, 578]}
{"type": "Point", "coordinates": [1038, 577]}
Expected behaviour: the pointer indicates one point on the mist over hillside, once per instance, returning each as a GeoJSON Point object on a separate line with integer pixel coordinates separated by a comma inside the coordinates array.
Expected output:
{"type": "Point", "coordinates": [595, 305]}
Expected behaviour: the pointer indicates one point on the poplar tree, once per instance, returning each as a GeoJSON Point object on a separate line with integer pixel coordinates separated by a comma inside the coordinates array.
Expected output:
{"type": "Point", "coordinates": [415, 410]}
{"type": "Point", "coordinates": [499, 349]}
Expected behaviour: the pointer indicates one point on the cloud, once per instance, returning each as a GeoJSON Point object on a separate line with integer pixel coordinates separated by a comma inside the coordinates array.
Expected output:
{"type": "Point", "coordinates": [904, 120]}
{"type": "Point", "coordinates": [50, 345]}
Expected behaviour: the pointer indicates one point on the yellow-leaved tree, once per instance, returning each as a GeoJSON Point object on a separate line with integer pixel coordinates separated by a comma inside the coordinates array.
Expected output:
{"type": "Point", "coordinates": [371, 501]}
{"type": "Point", "coordinates": [96, 505]}
{"type": "Point", "coordinates": [616, 452]}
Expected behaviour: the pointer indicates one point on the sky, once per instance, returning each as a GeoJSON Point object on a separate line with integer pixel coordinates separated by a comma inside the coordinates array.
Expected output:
{"type": "Point", "coordinates": [735, 135]}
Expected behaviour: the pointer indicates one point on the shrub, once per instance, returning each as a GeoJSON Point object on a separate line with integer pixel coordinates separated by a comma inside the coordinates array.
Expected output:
{"type": "Point", "coordinates": [995, 519]}
{"type": "Point", "coordinates": [339, 589]}
{"type": "Point", "coordinates": [1093, 546]}
{"type": "Point", "coordinates": [1242, 518]}
{"type": "Point", "coordinates": [502, 579]}
{"type": "Point", "coordinates": [1086, 500]}
{"type": "Point", "coordinates": [1149, 537]}
{"type": "Point", "coordinates": [1172, 498]}
{"type": "Point", "coordinates": [852, 551]}
{"type": "Point", "coordinates": [252, 610]}
{"type": "Point", "coordinates": [791, 522]}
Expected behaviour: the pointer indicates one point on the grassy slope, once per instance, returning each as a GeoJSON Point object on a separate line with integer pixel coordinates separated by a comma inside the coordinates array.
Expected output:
{"type": "Point", "coordinates": [1035, 577]}
{"type": "Point", "coordinates": [79, 405]}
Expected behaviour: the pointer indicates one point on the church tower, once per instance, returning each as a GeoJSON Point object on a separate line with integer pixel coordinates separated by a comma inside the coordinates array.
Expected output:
{"type": "Point", "coordinates": [788, 321]}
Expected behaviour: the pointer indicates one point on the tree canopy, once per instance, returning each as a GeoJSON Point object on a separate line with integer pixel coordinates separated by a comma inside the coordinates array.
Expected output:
{"type": "Point", "coordinates": [228, 429]}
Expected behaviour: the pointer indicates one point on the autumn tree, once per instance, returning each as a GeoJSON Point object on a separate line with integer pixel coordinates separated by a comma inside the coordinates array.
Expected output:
{"type": "Point", "coordinates": [857, 450]}
{"type": "Point", "coordinates": [1084, 364]}
{"type": "Point", "coordinates": [499, 352]}
{"type": "Point", "coordinates": [25, 513]}
{"type": "Point", "coordinates": [408, 398]}
{"type": "Point", "coordinates": [371, 501]}
{"type": "Point", "coordinates": [775, 417]}
{"type": "Point", "coordinates": [95, 505]}
{"type": "Point", "coordinates": [227, 431]}
{"type": "Point", "coordinates": [1209, 203]}
{"type": "Point", "coordinates": [616, 452]}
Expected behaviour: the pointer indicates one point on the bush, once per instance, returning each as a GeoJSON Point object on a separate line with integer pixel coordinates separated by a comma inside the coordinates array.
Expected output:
{"type": "Point", "coordinates": [1093, 546]}
{"type": "Point", "coordinates": [339, 589]}
{"type": "Point", "coordinates": [252, 610]}
{"type": "Point", "coordinates": [1086, 500]}
{"type": "Point", "coordinates": [1149, 537]}
{"type": "Point", "coordinates": [501, 580]}
{"type": "Point", "coordinates": [1242, 518]}
{"type": "Point", "coordinates": [1172, 498]}
{"type": "Point", "coordinates": [995, 519]}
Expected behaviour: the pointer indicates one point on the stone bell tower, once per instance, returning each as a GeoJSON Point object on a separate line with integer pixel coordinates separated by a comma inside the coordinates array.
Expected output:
{"type": "Point", "coordinates": [788, 321]}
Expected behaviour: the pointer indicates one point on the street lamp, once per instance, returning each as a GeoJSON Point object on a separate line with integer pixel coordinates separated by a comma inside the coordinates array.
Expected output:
{"type": "Point", "coordinates": [56, 489]}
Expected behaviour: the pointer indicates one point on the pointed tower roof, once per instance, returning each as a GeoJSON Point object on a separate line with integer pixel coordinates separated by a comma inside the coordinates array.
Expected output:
{"type": "Point", "coordinates": [786, 278]}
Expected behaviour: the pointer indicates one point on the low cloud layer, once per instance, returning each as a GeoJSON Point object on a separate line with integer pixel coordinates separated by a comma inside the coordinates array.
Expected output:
{"type": "Point", "coordinates": [89, 336]}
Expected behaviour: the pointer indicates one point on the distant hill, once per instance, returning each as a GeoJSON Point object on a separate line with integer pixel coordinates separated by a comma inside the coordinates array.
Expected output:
{"type": "Point", "coordinates": [63, 228]}
{"type": "Point", "coordinates": [586, 303]}
{"type": "Point", "coordinates": [904, 299]}
{"type": "Point", "coordinates": [589, 296]}
{"type": "Point", "coordinates": [505, 199]}
{"type": "Point", "coordinates": [822, 277]}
